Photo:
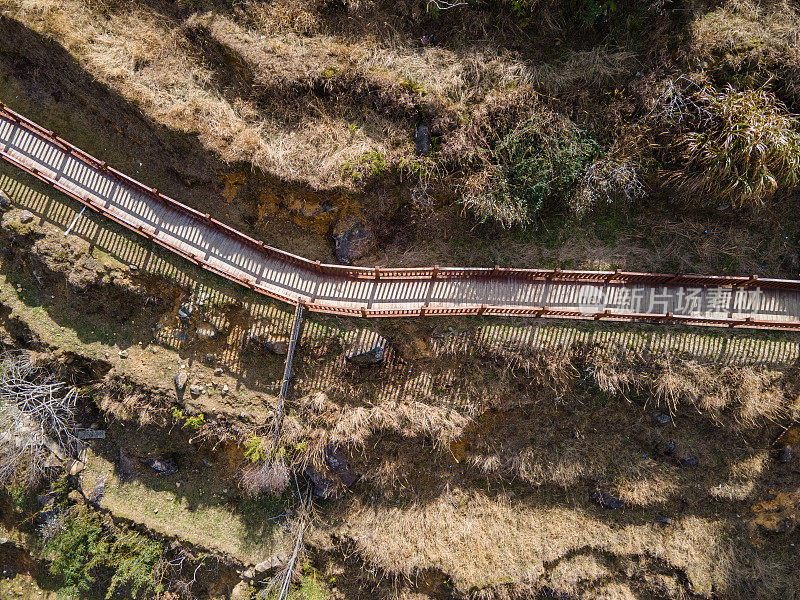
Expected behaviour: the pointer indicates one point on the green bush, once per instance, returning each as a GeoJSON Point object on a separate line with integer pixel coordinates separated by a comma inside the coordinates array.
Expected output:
{"type": "Point", "coordinates": [537, 162]}
{"type": "Point", "coordinates": [87, 552]}
{"type": "Point", "coordinates": [742, 147]}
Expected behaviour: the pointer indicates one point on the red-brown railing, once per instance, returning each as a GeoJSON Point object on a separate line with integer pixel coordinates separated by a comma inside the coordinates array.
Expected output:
{"type": "Point", "coordinates": [406, 274]}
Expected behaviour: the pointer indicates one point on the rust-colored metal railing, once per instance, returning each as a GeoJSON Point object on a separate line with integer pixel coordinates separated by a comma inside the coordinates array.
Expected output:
{"type": "Point", "coordinates": [400, 274]}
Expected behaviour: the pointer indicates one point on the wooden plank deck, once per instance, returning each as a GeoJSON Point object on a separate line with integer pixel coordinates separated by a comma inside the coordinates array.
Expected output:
{"type": "Point", "coordinates": [725, 301]}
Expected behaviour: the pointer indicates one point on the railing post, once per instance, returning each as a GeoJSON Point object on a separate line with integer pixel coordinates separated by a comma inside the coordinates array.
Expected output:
{"type": "Point", "coordinates": [364, 312]}
{"type": "Point", "coordinates": [435, 271]}
{"type": "Point", "coordinates": [482, 309]}
{"type": "Point", "coordinates": [377, 273]}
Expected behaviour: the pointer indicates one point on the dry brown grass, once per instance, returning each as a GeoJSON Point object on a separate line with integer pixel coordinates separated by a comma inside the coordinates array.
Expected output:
{"type": "Point", "coordinates": [486, 543]}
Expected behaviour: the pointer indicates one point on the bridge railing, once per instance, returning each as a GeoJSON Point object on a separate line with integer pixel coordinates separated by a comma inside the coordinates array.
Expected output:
{"type": "Point", "coordinates": [402, 274]}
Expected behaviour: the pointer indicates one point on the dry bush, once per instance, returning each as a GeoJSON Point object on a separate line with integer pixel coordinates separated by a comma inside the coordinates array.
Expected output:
{"type": "Point", "coordinates": [37, 418]}
{"type": "Point", "coordinates": [750, 41]}
{"type": "Point", "coordinates": [269, 477]}
{"type": "Point", "coordinates": [742, 147]}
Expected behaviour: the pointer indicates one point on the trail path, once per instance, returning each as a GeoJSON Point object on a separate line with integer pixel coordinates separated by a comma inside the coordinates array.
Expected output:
{"type": "Point", "coordinates": [375, 292]}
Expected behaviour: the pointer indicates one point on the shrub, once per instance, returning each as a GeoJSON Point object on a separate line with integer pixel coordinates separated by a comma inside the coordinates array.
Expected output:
{"type": "Point", "coordinates": [606, 180]}
{"type": "Point", "coordinates": [538, 161]}
{"type": "Point", "coordinates": [84, 547]}
{"type": "Point", "coordinates": [742, 148]}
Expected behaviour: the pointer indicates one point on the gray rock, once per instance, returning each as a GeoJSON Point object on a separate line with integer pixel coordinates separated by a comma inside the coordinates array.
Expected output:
{"type": "Point", "coordinates": [186, 313]}
{"type": "Point", "coordinates": [665, 521]}
{"type": "Point", "coordinates": [225, 389]}
{"type": "Point", "coordinates": [669, 448]}
{"type": "Point", "coordinates": [162, 466]}
{"type": "Point", "coordinates": [5, 200]}
{"type": "Point", "coordinates": [689, 461]}
{"type": "Point", "coordinates": [181, 379]}
{"type": "Point", "coordinates": [133, 268]}
{"type": "Point", "coordinates": [210, 359]}
{"type": "Point", "coordinates": [606, 500]}
{"type": "Point", "coordinates": [330, 485]}
{"type": "Point", "coordinates": [218, 371]}
{"type": "Point", "coordinates": [352, 243]}
{"type": "Point", "coordinates": [273, 562]}
{"type": "Point", "coordinates": [785, 454]}
{"type": "Point", "coordinates": [368, 350]}
{"type": "Point", "coordinates": [337, 461]}
{"type": "Point", "coordinates": [25, 216]}
{"type": "Point", "coordinates": [422, 140]}
{"type": "Point", "coordinates": [123, 354]}
{"type": "Point", "coordinates": [661, 418]}
{"type": "Point", "coordinates": [195, 390]}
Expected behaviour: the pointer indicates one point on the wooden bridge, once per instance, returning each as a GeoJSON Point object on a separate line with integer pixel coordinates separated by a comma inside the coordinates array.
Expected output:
{"type": "Point", "coordinates": [388, 292]}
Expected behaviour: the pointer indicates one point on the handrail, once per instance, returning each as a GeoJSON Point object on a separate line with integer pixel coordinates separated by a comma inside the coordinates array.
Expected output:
{"type": "Point", "coordinates": [403, 274]}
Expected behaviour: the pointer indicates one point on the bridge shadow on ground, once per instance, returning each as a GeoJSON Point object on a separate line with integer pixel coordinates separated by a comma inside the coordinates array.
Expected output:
{"type": "Point", "coordinates": [239, 314]}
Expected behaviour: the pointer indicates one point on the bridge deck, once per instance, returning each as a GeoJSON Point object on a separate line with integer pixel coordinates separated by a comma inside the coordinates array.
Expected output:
{"type": "Point", "coordinates": [392, 292]}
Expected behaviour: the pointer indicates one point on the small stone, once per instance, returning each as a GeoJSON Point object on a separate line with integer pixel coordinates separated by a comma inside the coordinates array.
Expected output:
{"type": "Point", "coordinates": [210, 359]}
{"type": "Point", "coordinates": [133, 268]}
{"type": "Point", "coordinates": [669, 448]}
{"type": "Point", "coordinates": [181, 379]}
{"type": "Point", "coordinates": [155, 510]}
{"type": "Point", "coordinates": [689, 461]}
{"type": "Point", "coordinates": [218, 371]}
{"type": "Point", "coordinates": [195, 390]}
{"type": "Point", "coordinates": [786, 454]}
{"type": "Point", "coordinates": [208, 463]}
{"type": "Point", "coordinates": [422, 140]}
{"type": "Point", "coordinates": [74, 467]}
{"type": "Point", "coordinates": [224, 391]}
{"type": "Point", "coordinates": [665, 521]}
{"type": "Point", "coordinates": [186, 312]}
{"type": "Point", "coordinates": [661, 418]}
{"type": "Point", "coordinates": [25, 216]}
{"type": "Point", "coordinates": [154, 349]}
{"type": "Point", "coordinates": [162, 466]}
{"type": "Point", "coordinates": [123, 354]}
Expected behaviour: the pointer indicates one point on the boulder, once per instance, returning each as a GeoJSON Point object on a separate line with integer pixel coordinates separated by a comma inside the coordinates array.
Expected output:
{"type": "Point", "coordinates": [195, 390]}
{"type": "Point", "coordinates": [369, 349]}
{"type": "Point", "coordinates": [330, 485]}
{"type": "Point", "coordinates": [273, 562]}
{"type": "Point", "coordinates": [351, 240]}
{"type": "Point", "coordinates": [422, 140]}
{"type": "Point", "coordinates": [689, 461]}
{"type": "Point", "coordinates": [785, 454]}
{"type": "Point", "coordinates": [25, 216]}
